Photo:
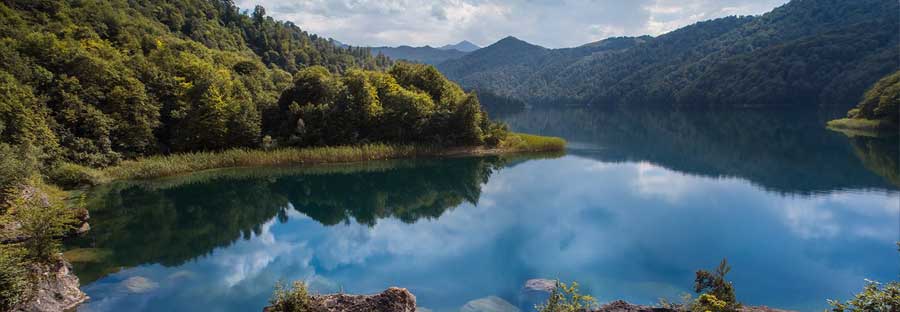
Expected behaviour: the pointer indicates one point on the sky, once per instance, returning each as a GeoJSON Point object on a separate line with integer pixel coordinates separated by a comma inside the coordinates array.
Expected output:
{"type": "Point", "coordinates": [550, 23]}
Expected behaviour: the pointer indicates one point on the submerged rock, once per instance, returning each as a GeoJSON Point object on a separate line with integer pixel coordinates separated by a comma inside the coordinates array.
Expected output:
{"type": "Point", "coordinates": [391, 300]}
{"type": "Point", "coordinates": [56, 289]}
{"type": "Point", "coordinates": [489, 304]}
{"type": "Point", "coordinates": [540, 284]}
{"type": "Point", "coordinates": [139, 284]}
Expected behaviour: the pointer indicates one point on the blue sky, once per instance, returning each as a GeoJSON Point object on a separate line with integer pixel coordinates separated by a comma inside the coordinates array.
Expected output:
{"type": "Point", "coordinates": [551, 23]}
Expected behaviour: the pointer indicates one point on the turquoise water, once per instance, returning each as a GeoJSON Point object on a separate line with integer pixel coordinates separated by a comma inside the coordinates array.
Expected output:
{"type": "Point", "coordinates": [640, 201]}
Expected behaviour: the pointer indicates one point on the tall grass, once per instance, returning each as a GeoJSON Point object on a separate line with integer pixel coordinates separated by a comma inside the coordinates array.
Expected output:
{"type": "Point", "coordinates": [520, 142]}
{"type": "Point", "coordinates": [162, 166]}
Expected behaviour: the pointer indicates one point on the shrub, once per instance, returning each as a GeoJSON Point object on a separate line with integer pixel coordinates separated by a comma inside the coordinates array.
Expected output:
{"type": "Point", "coordinates": [14, 170]}
{"type": "Point", "coordinates": [709, 303]}
{"type": "Point", "coordinates": [715, 284]}
{"type": "Point", "coordinates": [295, 299]}
{"type": "Point", "coordinates": [874, 298]}
{"type": "Point", "coordinates": [69, 175]}
{"type": "Point", "coordinates": [565, 298]}
{"type": "Point", "coordinates": [14, 282]}
{"type": "Point", "coordinates": [44, 218]}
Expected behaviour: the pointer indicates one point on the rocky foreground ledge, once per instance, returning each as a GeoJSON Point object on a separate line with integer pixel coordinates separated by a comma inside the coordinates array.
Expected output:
{"type": "Point", "coordinates": [57, 289]}
{"type": "Point", "coordinates": [391, 300]}
{"type": "Point", "coordinates": [401, 300]}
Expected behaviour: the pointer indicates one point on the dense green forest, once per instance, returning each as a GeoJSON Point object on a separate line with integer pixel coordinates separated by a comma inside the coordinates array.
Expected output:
{"type": "Point", "coordinates": [97, 81]}
{"type": "Point", "coordinates": [805, 53]}
{"type": "Point", "coordinates": [879, 109]}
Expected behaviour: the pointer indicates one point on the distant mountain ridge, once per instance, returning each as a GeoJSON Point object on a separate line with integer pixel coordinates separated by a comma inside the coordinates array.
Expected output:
{"type": "Point", "coordinates": [426, 54]}
{"type": "Point", "coordinates": [804, 53]}
{"type": "Point", "coordinates": [464, 46]}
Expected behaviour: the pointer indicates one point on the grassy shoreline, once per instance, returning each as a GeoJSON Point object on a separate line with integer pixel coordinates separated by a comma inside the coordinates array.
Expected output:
{"type": "Point", "coordinates": [862, 127]}
{"type": "Point", "coordinates": [170, 165]}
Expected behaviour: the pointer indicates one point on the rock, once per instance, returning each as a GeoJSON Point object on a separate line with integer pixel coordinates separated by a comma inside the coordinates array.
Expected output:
{"type": "Point", "coordinates": [139, 284]}
{"type": "Point", "coordinates": [489, 304]}
{"type": "Point", "coordinates": [622, 306]}
{"type": "Point", "coordinates": [540, 284]}
{"type": "Point", "coordinates": [56, 290]}
{"type": "Point", "coordinates": [391, 300]}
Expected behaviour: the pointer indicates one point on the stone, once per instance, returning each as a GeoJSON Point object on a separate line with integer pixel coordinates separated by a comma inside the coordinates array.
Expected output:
{"type": "Point", "coordinates": [56, 290]}
{"type": "Point", "coordinates": [391, 300]}
{"type": "Point", "coordinates": [139, 284]}
{"type": "Point", "coordinates": [489, 304]}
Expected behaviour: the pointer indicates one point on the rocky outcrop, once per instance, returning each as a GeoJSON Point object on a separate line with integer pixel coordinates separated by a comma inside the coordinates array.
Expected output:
{"type": "Point", "coordinates": [56, 289]}
{"type": "Point", "coordinates": [622, 306]}
{"type": "Point", "coordinates": [391, 300]}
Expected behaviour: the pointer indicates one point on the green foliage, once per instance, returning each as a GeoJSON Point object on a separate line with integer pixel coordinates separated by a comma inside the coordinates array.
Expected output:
{"type": "Point", "coordinates": [44, 218]}
{"type": "Point", "coordinates": [566, 298]}
{"type": "Point", "coordinates": [878, 111]}
{"type": "Point", "coordinates": [875, 297]}
{"type": "Point", "coordinates": [16, 167]}
{"type": "Point", "coordinates": [709, 303]}
{"type": "Point", "coordinates": [69, 175]}
{"type": "Point", "coordinates": [95, 82]}
{"type": "Point", "coordinates": [412, 103]}
{"type": "Point", "coordinates": [294, 299]}
{"type": "Point", "coordinates": [14, 283]}
{"type": "Point", "coordinates": [717, 293]}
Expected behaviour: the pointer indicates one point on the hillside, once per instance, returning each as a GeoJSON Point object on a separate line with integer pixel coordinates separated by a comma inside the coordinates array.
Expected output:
{"type": "Point", "coordinates": [879, 111]}
{"type": "Point", "coordinates": [425, 55]}
{"type": "Point", "coordinates": [97, 81]}
{"type": "Point", "coordinates": [805, 53]}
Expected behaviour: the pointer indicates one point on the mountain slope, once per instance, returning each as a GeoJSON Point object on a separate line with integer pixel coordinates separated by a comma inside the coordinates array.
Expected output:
{"type": "Point", "coordinates": [124, 78]}
{"type": "Point", "coordinates": [805, 53]}
{"type": "Point", "coordinates": [426, 54]}
{"type": "Point", "coordinates": [464, 46]}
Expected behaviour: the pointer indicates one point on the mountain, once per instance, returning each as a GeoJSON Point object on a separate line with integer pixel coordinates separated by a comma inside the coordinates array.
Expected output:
{"type": "Point", "coordinates": [502, 67]}
{"type": "Point", "coordinates": [464, 46]}
{"type": "Point", "coordinates": [805, 53]}
{"type": "Point", "coordinates": [426, 54]}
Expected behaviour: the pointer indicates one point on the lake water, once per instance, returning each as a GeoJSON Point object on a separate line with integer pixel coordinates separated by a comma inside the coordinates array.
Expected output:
{"type": "Point", "coordinates": [640, 201]}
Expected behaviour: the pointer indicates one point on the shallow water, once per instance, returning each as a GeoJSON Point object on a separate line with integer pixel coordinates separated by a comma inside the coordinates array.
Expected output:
{"type": "Point", "coordinates": [641, 201]}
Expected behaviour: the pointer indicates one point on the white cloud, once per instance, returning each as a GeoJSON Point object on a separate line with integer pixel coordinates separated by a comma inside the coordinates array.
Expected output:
{"type": "Point", "coordinates": [548, 23]}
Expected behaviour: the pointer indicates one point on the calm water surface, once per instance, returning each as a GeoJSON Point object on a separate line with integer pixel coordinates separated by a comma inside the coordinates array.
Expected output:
{"type": "Point", "coordinates": [641, 200]}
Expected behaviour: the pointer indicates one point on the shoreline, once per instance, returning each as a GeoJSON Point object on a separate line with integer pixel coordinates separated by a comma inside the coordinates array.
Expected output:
{"type": "Point", "coordinates": [180, 164]}
{"type": "Point", "coordinates": [852, 127]}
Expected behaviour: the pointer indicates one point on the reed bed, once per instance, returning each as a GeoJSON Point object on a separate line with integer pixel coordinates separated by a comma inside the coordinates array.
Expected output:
{"type": "Point", "coordinates": [170, 165]}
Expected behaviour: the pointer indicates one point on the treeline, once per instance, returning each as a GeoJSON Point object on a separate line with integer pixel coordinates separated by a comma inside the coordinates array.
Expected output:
{"type": "Point", "coordinates": [805, 53]}
{"type": "Point", "coordinates": [881, 102]}
{"type": "Point", "coordinates": [411, 103]}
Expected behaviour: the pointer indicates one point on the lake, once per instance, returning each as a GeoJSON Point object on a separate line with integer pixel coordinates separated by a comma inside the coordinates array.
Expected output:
{"type": "Point", "coordinates": [641, 200]}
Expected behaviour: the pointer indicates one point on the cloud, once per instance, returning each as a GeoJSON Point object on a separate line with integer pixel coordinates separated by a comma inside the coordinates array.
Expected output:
{"type": "Point", "coordinates": [553, 24]}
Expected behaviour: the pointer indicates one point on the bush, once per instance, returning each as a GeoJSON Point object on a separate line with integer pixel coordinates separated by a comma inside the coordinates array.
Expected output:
{"type": "Point", "coordinates": [44, 218]}
{"type": "Point", "coordinates": [873, 298]}
{"type": "Point", "coordinates": [565, 298]}
{"type": "Point", "coordinates": [718, 289]}
{"type": "Point", "coordinates": [14, 282]}
{"type": "Point", "coordinates": [14, 169]}
{"type": "Point", "coordinates": [295, 299]}
{"type": "Point", "coordinates": [69, 175]}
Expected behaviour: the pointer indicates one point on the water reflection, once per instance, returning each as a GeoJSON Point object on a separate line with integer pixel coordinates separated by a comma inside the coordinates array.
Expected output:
{"type": "Point", "coordinates": [629, 218]}
{"type": "Point", "coordinates": [783, 151]}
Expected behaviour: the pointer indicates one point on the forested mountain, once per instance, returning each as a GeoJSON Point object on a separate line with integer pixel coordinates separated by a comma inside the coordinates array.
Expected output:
{"type": "Point", "coordinates": [425, 55]}
{"type": "Point", "coordinates": [805, 53]}
{"type": "Point", "coordinates": [96, 81]}
{"type": "Point", "coordinates": [464, 46]}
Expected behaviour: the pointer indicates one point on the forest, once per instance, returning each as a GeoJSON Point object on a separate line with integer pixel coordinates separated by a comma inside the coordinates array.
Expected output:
{"type": "Point", "coordinates": [803, 54]}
